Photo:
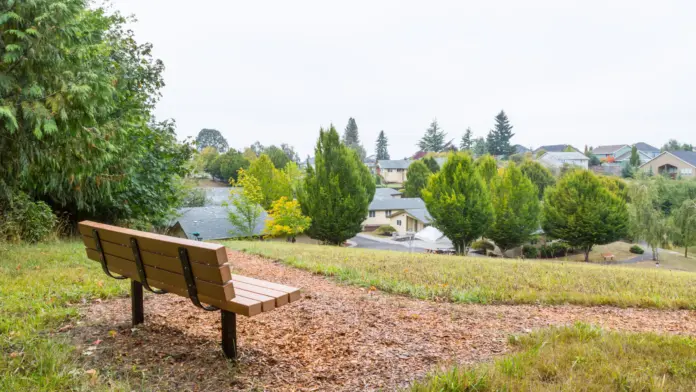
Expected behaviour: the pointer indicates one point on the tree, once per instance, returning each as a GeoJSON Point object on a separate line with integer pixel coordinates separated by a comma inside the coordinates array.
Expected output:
{"type": "Point", "coordinates": [467, 141]}
{"type": "Point", "coordinates": [647, 221]}
{"type": "Point", "coordinates": [77, 93]}
{"type": "Point", "coordinates": [225, 166]}
{"type": "Point", "coordinates": [286, 219]}
{"type": "Point", "coordinates": [247, 212]}
{"type": "Point", "coordinates": [538, 174]}
{"type": "Point", "coordinates": [683, 223]}
{"type": "Point", "coordinates": [635, 158]}
{"type": "Point", "coordinates": [294, 175]}
{"type": "Point", "coordinates": [569, 148]}
{"type": "Point", "coordinates": [487, 167]}
{"type": "Point", "coordinates": [479, 147]}
{"type": "Point", "coordinates": [351, 138]}
{"type": "Point", "coordinates": [290, 152]}
{"type": "Point", "coordinates": [278, 156]}
{"type": "Point", "coordinates": [211, 138]}
{"type": "Point", "coordinates": [459, 201]}
{"type": "Point", "coordinates": [336, 191]}
{"type": "Point", "coordinates": [257, 148]}
{"type": "Point", "coordinates": [498, 140]}
{"type": "Point", "coordinates": [418, 174]}
{"type": "Point", "coordinates": [381, 147]}
{"type": "Point", "coordinates": [249, 154]}
{"type": "Point", "coordinates": [434, 138]}
{"type": "Point", "coordinates": [594, 161]}
{"type": "Point", "coordinates": [516, 205]}
{"type": "Point", "coordinates": [202, 160]}
{"type": "Point", "coordinates": [627, 171]}
{"type": "Point", "coordinates": [583, 212]}
{"type": "Point", "coordinates": [273, 183]}
{"type": "Point", "coordinates": [432, 164]}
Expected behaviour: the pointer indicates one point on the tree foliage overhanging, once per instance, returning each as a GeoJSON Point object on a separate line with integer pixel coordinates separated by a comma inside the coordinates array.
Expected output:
{"type": "Point", "coordinates": [77, 93]}
{"type": "Point", "coordinates": [336, 191]}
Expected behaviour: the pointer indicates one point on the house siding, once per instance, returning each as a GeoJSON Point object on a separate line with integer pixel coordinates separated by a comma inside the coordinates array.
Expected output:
{"type": "Point", "coordinates": [394, 176]}
{"type": "Point", "coordinates": [408, 224]}
{"type": "Point", "coordinates": [379, 219]}
{"type": "Point", "coordinates": [682, 168]}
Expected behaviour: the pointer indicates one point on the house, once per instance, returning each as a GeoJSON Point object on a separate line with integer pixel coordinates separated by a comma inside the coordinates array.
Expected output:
{"type": "Point", "coordinates": [611, 152]}
{"type": "Point", "coordinates": [393, 171]}
{"type": "Point", "coordinates": [556, 148]}
{"type": "Point", "coordinates": [410, 220]}
{"type": "Point", "coordinates": [673, 164]}
{"type": "Point", "coordinates": [209, 223]}
{"type": "Point", "coordinates": [386, 193]}
{"type": "Point", "coordinates": [381, 210]}
{"type": "Point", "coordinates": [620, 154]}
{"type": "Point", "coordinates": [520, 149]}
{"type": "Point", "coordinates": [556, 160]}
{"type": "Point", "coordinates": [647, 149]}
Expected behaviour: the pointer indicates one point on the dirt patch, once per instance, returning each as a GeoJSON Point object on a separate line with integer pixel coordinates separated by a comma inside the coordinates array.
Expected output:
{"type": "Point", "coordinates": [336, 338]}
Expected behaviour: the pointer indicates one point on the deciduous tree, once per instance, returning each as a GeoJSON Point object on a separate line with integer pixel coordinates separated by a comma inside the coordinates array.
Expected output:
{"type": "Point", "coordinates": [459, 201]}
{"type": "Point", "coordinates": [273, 183]}
{"type": "Point", "coordinates": [540, 175]}
{"type": "Point", "coordinates": [418, 175]}
{"type": "Point", "coordinates": [583, 212]}
{"type": "Point", "coordinates": [516, 205]}
{"type": "Point", "coordinates": [683, 222]}
{"type": "Point", "coordinates": [247, 212]}
{"type": "Point", "coordinates": [211, 138]}
{"type": "Point", "coordinates": [336, 191]}
{"type": "Point", "coordinates": [285, 219]}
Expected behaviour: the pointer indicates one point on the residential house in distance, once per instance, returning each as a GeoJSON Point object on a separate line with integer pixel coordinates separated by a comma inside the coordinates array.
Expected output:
{"type": "Point", "coordinates": [556, 160]}
{"type": "Point", "coordinates": [208, 223]}
{"type": "Point", "coordinates": [673, 164]}
{"type": "Point", "coordinates": [404, 214]}
{"type": "Point", "coordinates": [648, 150]}
{"type": "Point", "coordinates": [620, 154]}
{"type": "Point", "coordinates": [371, 163]}
{"type": "Point", "coordinates": [611, 152]}
{"type": "Point", "coordinates": [555, 148]}
{"type": "Point", "coordinates": [520, 149]}
{"type": "Point", "coordinates": [393, 171]}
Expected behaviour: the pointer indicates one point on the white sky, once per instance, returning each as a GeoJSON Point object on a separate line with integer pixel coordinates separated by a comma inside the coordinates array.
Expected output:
{"type": "Point", "coordinates": [578, 72]}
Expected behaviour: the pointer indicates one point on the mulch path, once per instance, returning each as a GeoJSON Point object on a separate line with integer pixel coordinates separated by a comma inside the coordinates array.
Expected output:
{"type": "Point", "coordinates": [338, 337]}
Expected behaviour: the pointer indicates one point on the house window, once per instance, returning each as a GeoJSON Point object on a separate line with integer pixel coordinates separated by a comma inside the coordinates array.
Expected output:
{"type": "Point", "coordinates": [398, 222]}
{"type": "Point", "coordinates": [687, 171]}
{"type": "Point", "coordinates": [371, 214]}
{"type": "Point", "coordinates": [389, 170]}
{"type": "Point", "coordinates": [387, 213]}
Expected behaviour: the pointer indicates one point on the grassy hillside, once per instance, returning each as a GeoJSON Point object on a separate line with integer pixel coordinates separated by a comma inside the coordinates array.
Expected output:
{"type": "Point", "coordinates": [579, 358]}
{"type": "Point", "coordinates": [485, 280]}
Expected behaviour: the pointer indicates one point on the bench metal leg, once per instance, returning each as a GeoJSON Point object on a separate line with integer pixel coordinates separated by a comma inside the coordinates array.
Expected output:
{"type": "Point", "coordinates": [138, 314]}
{"type": "Point", "coordinates": [229, 334]}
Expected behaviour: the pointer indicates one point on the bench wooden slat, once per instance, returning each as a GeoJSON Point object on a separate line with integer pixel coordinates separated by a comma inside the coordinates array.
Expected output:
{"type": "Point", "coordinates": [268, 303]}
{"type": "Point", "coordinates": [199, 252]}
{"type": "Point", "coordinates": [293, 292]}
{"type": "Point", "coordinates": [211, 273]}
{"type": "Point", "coordinates": [212, 290]}
{"type": "Point", "coordinates": [242, 305]}
{"type": "Point", "coordinates": [280, 297]}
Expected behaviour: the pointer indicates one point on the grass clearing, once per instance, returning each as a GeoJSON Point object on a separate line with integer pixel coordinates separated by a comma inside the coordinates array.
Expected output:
{"type": "Point", "coordinates": [38, 286]}
{"type": "Point", "coordinates": [579, 358]}
{"type": "Point", "coordinates": [486, 280]}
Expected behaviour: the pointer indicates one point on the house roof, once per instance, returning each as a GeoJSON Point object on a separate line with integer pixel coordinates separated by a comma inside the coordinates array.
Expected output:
{"type": "Point", "coordinates": [686, 156]}
{"type": "Point", "coordinates": [555, 148]}
{"type": "Point", "coordinates": [646, 147]}
{"type": "Point", "coordinates": [520, 149]}
{"type": "Point", "coordinates": [212, 223]}
{"type": "Point", "coordinates": [396, 203]}
{"type": "Point", "coordinates": [385, 193]}
{"type": "Point", "coordinates": [394, 164]}
{"type": "Point", "coordinates": [608, 149]}
{"type": "Point", "coordinates": [421, 214]}
{"type": "Point", "coordinates": [567, 155]}
{"type": "Point", "coordinates": [627, 155]}
{"type": "Point", "coordinates": [217, 196]}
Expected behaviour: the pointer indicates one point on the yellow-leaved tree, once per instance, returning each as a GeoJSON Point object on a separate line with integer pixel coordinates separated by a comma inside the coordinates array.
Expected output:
{"type": "Point", "coordinates": [285, 219]}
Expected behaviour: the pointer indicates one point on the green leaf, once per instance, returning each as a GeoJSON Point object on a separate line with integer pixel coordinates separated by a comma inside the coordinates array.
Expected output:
{"type": "Point", "coordinates": [10, 120]}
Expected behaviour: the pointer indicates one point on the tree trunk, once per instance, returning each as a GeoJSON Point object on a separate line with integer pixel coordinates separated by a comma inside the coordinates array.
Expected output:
{"type": "Point", "coordinates": [655, 255]}
{"type": "Point", "coordinates": [587, 255]}
{"type": "Point", "coordinates": [686, 251]}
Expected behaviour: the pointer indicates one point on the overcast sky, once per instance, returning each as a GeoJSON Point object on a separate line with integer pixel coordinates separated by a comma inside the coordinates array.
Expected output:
{"type": "Point", "coordinates": [578, 72]}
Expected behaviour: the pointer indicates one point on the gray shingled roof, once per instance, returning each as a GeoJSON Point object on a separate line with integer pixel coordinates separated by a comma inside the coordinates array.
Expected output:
{"type": "Point", "coordinates": [608, 149]}
{"type": "Point", "coordinates": [520, 149]}
{"type": "Point", "coordinates": [394, 164]}
{"type": "Point", "coordinates": [421, 214]}
{"type": "Point", "coordinates": [686, 156]}
{"type": "Point", "coordinates": [217, 196]}
{"type": "Point", "coordinates": [212, 222]}
{"type": "Point", "coordinates": [646, 147]}
{"type": "Point", "coordinates": [555, 148]}
{"type": "Point", "coordinates": [385, 193]}
{"type": "Point", "coordinates": [396, 203]}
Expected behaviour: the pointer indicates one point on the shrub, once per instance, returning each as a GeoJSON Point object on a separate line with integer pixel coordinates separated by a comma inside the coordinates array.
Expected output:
{"type": "Point", "coordinates": [555, 249]}
{"type": "Point", "coordinates": [482, 246]}
{"type": "Point", "coordinates": [385, 230]}
{"type": "Point", "coordinates": [24, 220]}
{"type": "Point", "coordinates": [530, 252]}
{"type": "Point", "coordinates": [637, 250]}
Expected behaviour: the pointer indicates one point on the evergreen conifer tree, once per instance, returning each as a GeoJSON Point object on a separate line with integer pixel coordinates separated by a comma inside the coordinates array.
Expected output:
{"type": "Point", "coordinates": [499, 137]}
{"type": "Point", "coordinates": [351, 138]}
{"type": "Point", "coordinates": [381, 147]}
{"type": "Point", "coordinates": [336, 191]}
{"type": "Point", "coordinates": [635, 158]}
{"type": "Point", "coordinates": [434, 138]}
{"type": "Point", "coordinates": [467, 141]}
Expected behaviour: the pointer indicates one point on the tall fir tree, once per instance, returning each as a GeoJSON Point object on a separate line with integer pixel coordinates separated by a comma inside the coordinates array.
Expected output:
{"type": "Point", "coordinates": [635, 158]}
{"type": "Point", "coordinates": [499, 137]}
{"type": "Point", "coordinates": [479, 147]}
{"type": "Point", "coordinates": [467, 140]}
{"type": "Point", "coordinates": [351, 138]}
{"type": "Point", "coordinates": [336, 191]}
{"type": "Point", "coordinates": [381, 147]}
{"type": "Point", "coordinates": [434, 138]}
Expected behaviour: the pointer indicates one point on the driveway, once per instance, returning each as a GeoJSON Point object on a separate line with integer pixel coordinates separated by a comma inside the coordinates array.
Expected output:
{"type": "Point", "coordinates": [362, 242]}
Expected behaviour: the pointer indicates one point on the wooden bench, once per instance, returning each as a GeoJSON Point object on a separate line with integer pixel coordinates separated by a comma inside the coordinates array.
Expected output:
{"type": "Point", "coordinates": [193, 269]}
{"type": "Point", "coordinates": [608, 256]}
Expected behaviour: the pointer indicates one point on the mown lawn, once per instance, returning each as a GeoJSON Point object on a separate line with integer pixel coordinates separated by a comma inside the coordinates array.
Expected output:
{"type": "Point", "coordinates": [486, 280]}
{"type": "Point", "coordinates": [40, 286]}
{"type": "Point", "coordinates": [579, 358]}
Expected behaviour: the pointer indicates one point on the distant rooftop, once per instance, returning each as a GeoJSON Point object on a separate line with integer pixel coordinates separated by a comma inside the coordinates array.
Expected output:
{"type": "Point", "coordinates": [646, 147]}
{"type": "Point", "coordinates": [386, 193]}
{"type": "Point", "coordinates": [396, 203]}
{"type": "Point", "coordinates": [686, 156]}
{"type": "Point", "coordinates": [608, 149]}
{"type": "Point", "coordinates": [567, 155]}
{"type": "Point", "coordinates": [555, 148]}
{"type": "Point", "coordinates": [394, 164]}
{"type": "Point", "coordinates": [211, 223]}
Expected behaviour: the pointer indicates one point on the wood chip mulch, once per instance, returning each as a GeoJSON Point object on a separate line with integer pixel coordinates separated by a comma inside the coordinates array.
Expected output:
{"type": "Point", "coordinates": [336, 338]}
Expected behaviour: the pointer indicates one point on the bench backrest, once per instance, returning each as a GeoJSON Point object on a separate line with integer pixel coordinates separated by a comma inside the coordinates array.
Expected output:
{"type": "Point", "coordinates": [160, 257]}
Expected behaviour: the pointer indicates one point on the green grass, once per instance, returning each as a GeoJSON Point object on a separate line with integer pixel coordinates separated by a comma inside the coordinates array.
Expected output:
{"type": "Point", "coordinates": [579, 358]}
{"type": "Point", "coordinates": [40, 286]}
{"type": "Point", "coordinates": [486, 280]}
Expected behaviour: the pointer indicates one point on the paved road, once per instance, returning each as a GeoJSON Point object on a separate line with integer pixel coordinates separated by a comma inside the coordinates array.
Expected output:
{"type": "Point", "coordinates": [362, 242]}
